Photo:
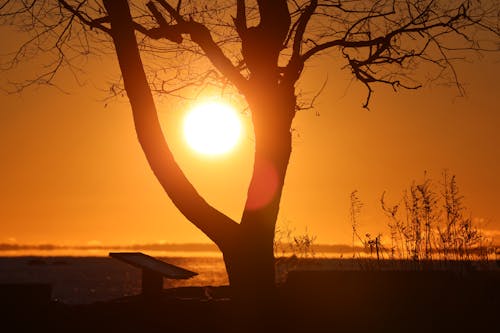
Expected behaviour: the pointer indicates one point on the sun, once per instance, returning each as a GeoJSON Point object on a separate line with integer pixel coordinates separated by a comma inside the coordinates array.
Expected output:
{"type": "Point", "coordinates": [212, 128]}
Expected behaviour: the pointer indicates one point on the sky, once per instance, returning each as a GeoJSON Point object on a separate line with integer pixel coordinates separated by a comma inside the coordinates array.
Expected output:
{"type": "Point", "coordinates": [72, 171]}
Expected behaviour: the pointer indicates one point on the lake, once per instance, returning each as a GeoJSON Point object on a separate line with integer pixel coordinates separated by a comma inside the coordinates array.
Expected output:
{"type": "Point", "coordinates": [90, 279]}
{"type": "Point", "coordinates": [79, 280]}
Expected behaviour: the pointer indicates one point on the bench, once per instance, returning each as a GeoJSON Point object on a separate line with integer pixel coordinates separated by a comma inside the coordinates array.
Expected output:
{"type": "Point", "coordinates": [153, 271]}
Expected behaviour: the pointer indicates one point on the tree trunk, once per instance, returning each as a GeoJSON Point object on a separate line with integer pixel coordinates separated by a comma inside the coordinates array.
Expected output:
{"type": "Point", "coordinates": [250, 258]}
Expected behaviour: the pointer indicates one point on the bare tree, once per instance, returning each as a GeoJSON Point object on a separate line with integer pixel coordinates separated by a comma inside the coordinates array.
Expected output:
{"type": "Point", "coordinates": [259, 48]}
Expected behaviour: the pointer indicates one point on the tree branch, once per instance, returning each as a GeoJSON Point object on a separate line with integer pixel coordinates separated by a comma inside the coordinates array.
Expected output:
{"type": "Point", "coordinates": [304, 19]}
{"type": "Point", "coordinates": [240, 22]}
{"type": "Point", "coordinates": [217, 226]}
{"type": "Point", "coordinates": [296, 64]}
{"type": "Point", "coordinates": [91, 23]}
{"type": "Point", "coordinates": [200, 34]}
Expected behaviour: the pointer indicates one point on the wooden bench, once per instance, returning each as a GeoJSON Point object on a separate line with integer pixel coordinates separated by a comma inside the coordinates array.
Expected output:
{"type": "Point", "coordinates": [153, 271]}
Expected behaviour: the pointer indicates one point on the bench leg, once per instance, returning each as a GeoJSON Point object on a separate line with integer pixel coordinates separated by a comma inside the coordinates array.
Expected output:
{"type": "Point", "coordinates": [152, 283]}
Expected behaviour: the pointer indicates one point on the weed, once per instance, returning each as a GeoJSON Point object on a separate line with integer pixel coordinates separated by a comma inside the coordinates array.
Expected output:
{"type": "Point", "coordinates": [434, 224]}
{"type": "Point", "coordinates": [428, 222]}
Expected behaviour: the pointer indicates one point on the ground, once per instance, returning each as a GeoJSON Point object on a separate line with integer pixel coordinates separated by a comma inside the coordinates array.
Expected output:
{"type": "Point", "coordinates": [309, 301]}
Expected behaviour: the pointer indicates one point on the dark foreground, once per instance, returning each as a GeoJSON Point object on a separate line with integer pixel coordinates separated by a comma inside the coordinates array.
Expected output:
{"type": "Point", "coordinates": [312, 301]}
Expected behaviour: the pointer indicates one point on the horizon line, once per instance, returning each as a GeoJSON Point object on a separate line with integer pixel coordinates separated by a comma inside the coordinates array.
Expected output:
{"type": "Point", "coordinates": [184, 247]}
{"type": "Point", "coordinates": [190, 246]}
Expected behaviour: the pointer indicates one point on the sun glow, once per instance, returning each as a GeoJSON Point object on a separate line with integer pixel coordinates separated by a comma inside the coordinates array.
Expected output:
{"type": "Point", "coordinates": [212, 128]}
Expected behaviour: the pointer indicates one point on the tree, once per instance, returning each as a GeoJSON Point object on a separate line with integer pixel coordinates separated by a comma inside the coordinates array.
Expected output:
{"type": "Point", "coordinates": [260, 48]}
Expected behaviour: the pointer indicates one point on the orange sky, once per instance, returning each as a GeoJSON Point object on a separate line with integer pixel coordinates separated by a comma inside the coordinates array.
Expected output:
{"type": "Point", "coordinates": [72, 172]}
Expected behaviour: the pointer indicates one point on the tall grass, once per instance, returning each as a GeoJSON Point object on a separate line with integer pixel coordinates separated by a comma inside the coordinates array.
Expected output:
{"type": "Point", "coordinates": [289, 243]}
{"type": "Point", "coordinates": [354, 212]}
{"type": "Point", "coordinates": [289, 248]}
{"type": "Point", "coordinates": [430, 221]}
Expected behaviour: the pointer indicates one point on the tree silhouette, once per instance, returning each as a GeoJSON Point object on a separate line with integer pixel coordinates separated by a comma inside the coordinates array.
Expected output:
{"type": "Point", "coordinates": [260, 48]}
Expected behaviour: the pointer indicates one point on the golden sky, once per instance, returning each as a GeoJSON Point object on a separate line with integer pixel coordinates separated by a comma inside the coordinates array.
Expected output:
{"type": "Point", "coordinates": [72, 172]}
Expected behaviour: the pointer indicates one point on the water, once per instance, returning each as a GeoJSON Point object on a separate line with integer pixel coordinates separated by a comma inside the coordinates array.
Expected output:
{"type": "Point", "coordinates": [79, 280]}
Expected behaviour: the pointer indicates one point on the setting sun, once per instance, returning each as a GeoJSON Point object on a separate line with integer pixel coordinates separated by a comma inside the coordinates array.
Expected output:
{"type": "Point", "coordinates": [212, 128]}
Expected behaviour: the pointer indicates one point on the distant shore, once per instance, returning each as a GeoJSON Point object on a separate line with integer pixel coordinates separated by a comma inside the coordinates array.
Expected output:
{"type": "Point", "coordinates": [175, 250]}
{"type": "Point", "coordinates": [154, 249]}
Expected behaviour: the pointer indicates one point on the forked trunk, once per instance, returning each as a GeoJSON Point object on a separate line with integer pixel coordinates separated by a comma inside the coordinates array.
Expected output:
{"type": "Point", "coordinates": [247, 247]}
